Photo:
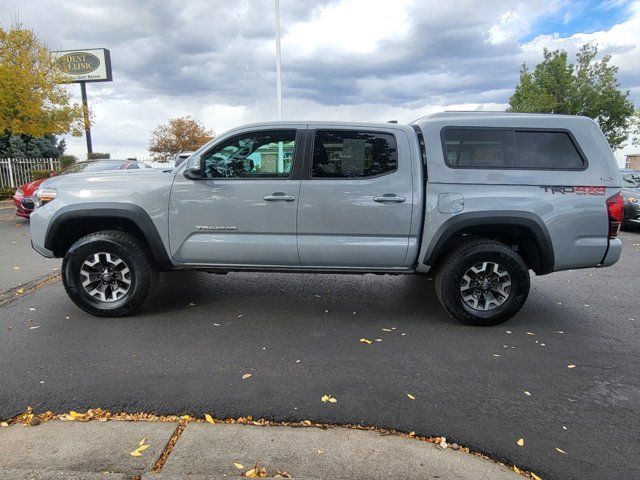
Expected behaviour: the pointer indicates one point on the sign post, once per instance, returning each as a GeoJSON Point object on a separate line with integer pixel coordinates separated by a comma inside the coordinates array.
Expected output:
{"type": "Point", "coordinates": [82, 66]}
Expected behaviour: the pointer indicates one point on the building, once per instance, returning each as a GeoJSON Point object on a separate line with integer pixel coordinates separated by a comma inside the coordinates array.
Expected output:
{"type": "Point", "coordinates": [632, 162]}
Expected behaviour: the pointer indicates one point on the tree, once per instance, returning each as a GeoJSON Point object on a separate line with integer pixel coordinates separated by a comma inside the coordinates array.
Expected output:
{"type": "Point", "coordinates": [33, 101]}
{"type": "Point", "coordinates": [24, 146]}
{"type": "Point", "coordinates": [589, 88]}
{"type": "Point", "coordinates": [182, 134]}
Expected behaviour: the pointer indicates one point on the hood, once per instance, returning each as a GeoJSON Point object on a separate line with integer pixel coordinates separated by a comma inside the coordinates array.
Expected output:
{"type": "Point", "coordinates": [112, 178]}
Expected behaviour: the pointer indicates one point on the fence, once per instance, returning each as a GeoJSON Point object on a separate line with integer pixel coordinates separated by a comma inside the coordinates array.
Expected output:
{"type": "Point", "coordinates": [17, 171]}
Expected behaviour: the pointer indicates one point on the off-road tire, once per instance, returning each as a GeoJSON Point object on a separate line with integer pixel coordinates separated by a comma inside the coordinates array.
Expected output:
{"type": "Point", "coordinates": [131, 250]}
{"type": "Point", "coordinates": [450, 273]}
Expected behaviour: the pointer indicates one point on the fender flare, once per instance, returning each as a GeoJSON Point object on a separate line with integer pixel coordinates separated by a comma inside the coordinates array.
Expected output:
{"type": "Point", "coordinates": [97, 210]}
{"type": "Point", "coordinates": [527, 220]}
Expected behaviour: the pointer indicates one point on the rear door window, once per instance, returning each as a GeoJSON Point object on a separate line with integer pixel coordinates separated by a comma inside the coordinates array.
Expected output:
{"type": "Point", "coordinates": [547, 151]}
{"type": "Point", "coordinates": [353, 154]}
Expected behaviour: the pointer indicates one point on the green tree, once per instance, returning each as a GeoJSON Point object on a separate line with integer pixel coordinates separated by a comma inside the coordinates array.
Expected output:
{"type": "Point", "coordinates": [33, 100]}
{"type": "Point", "coordinates": [24, 146]}
{"type": "Point", "coordinates": [588, 87]}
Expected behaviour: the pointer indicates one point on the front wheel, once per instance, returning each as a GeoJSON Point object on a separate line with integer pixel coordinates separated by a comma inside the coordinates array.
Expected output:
{"type": "Point", "coordinates": [108, 273]}
{"type": "Point", "coordinates": [482, 282]}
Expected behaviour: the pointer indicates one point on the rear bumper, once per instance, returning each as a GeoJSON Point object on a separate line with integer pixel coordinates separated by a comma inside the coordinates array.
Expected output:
{"type": "Point", "coordinates": [613, 252]}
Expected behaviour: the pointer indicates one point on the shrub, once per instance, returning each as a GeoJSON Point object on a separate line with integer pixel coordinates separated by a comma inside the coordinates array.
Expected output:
{"type": "Point", "coordinates": [40, 174]}
{"type": "Point", "coordinates": [66, 160]}
{"type": "Point", "coordinates": [6, 193]}
{"type": "Point", "coordinates": [98, 156]}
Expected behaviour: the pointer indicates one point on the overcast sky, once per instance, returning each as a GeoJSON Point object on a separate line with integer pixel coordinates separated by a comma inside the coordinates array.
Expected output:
{"type": "Point", "coordinates": [342, 60]}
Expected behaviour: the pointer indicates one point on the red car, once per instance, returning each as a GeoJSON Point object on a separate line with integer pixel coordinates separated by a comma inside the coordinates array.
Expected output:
{"type": "Point", "coordinates": [23, 197]}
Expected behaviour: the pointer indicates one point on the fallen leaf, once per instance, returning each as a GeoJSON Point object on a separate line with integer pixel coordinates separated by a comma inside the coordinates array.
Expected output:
{"type": "Point", "coordinates": [378, 339]}
{"type": "Point", "coordinates": [35, 328]}
{"type": "Point", "coordinates": [411, 396]}
{"type": "Point", "coordinates": [75, 415]}
{"type": "Point", "coordinates": [328, 398]}
{"type": "Point", "coordinates": [253, 473]}
{"type": "Point", "coordinates": [32, 309]}
{"type": "Point", "coordinates": [520, 442]}
{"type": "Point", "coordinates": [144, 439]}
{"type": "Point", "coordinates": [365, 340]}
{"type": "Point", "coordinates": [571, 366]}
{"type": "Point", "coordinates": [142, 448]}
{"type": "Point", "coordinates": [185, 417]}
{"type": "Point", "coordinates": [508, 331]}
{"type": "Point", "coordinates": [20, 291]}
{"type": "Point", "coordinates": [561, 451]}
{"type": "Point", "coordinates": [239, 466]}
{"type": "Point", "coordinates": [246, 375]}
{"type": "Point", "coordinates": [496, 355]}
{"type": "Point", "coordinates": [209, 418]}
{"type": "Point", "coordinates": [4, 424]}
{"type": "Point", "coordinates": [16, 268]}
{"type": "Point", "coordinates": [530, 333]}
{"type": "Point", "coordinates": [516, 469]}
{"type": "Point", "coordinates": [386, 329]}
{"type": "Point", "coordinates": [306, 422]}
{"type": "Point", "coordinates": [535, 477]}
{"type": "Point", "coordinates": [528, 394]}
{"type": "Point", "coordinates": [135, 453]}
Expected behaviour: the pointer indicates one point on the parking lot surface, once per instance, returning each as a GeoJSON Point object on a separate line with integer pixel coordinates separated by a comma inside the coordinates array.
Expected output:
{"type": "Point", "coordinates": [563, 375]}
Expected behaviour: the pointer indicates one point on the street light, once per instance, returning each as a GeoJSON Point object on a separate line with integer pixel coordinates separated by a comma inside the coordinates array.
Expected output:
{"type": "Point", "coordinates": [278, 63]}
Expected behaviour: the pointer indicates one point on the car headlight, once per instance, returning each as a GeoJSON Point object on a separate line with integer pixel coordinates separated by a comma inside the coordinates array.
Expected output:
{"type": "Point", "coordinates": [45, 195]}
{"type": "Point", "coordinates": [632, 199]}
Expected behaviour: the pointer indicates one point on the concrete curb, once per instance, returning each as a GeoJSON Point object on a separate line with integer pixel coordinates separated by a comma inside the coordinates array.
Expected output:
{"type": "Point", "coordinates": [92, 450]}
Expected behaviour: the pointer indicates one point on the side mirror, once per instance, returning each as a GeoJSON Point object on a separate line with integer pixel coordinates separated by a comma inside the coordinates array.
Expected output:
{"type": "Point", "coordinates": [193, 168]}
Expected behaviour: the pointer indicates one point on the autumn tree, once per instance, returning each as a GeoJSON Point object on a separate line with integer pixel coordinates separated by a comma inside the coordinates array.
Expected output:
{"type": "Point", "coordinates": [182, 134]}
{"type": "Point", "coordinates": [588, 87]}
{"type": "Point", "coordinates": [33, 100]}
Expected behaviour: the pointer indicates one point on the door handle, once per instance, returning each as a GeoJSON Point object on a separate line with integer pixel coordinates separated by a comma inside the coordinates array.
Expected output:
{"type": "Point", "coordinates": [389, 198]}
{"type": "Point", "coordinates": [279, 197]}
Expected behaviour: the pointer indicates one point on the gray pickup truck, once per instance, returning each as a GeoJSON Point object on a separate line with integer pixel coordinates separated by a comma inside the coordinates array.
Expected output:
{"type": "Point", "coordinates": [478, 198]}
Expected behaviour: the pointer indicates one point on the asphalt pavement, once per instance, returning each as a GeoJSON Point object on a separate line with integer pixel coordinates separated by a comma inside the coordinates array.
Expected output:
{"type": "Point", "coordinates": [563, 375]}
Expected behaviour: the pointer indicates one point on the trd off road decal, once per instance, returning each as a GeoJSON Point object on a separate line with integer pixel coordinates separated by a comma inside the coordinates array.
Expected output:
{"type": "Point", "coordinates": [592, 191]}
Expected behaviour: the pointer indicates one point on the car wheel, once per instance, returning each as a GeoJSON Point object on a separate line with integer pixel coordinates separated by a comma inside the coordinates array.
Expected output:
{"type": "Point", "coordinates": [108, 273]}
{"type": "Point", "coordinates": [482, 282]}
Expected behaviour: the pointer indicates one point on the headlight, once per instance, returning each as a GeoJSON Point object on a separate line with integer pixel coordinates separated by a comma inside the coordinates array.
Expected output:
{"type": "Point", "coordinates": [19, 193]}
{"type": "Point", "coordinates": [44, 195]}
{"type": "Point", "coordinates": [632, 199]}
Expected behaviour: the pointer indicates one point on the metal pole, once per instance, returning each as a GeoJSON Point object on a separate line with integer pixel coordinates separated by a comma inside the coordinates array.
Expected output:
{"type": "Point", "coordinates": [87, 126]}
{"type": "Point", "coordinates": [278, 62]}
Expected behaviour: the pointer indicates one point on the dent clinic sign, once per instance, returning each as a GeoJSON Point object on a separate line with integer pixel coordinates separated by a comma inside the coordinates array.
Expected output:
{"type": "Point", "coordinates": [91, 65]}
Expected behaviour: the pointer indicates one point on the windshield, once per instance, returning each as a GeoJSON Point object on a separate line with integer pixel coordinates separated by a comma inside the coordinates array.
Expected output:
{"type": "Point", "coordinates": [631, 179]}
{"type": "Point", "coordinates": [88, 167]}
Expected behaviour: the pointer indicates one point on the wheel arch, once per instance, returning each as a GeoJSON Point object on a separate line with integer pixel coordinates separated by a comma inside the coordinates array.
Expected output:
{"type": "Point", "coordinates": [525, 230]}
{"type": "Point", "coordinates": [74, 221]}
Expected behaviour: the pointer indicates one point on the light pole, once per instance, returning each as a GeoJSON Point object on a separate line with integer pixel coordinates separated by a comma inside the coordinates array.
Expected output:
{"type": "Point", "coordinates": [278, 63]}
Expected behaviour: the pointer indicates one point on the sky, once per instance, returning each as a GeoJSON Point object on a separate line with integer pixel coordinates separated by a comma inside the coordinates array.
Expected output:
{"type": "Point", "coordinates": [368, 60]}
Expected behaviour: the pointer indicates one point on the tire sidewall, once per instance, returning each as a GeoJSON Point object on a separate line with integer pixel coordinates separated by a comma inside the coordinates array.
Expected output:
{"type": "Point", "coordinates": [72, 265]}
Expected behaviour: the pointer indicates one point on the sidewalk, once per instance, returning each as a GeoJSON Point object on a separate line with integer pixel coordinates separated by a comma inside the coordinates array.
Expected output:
{"type": "Point", "coordinates": [101, 450]}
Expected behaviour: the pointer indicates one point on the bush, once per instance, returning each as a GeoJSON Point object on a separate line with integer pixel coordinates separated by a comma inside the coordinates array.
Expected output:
{"type": "Point", "coordinates": [66, 160]}
{"type": "Point", "coordinates": [6, 193]}
{"type": "Point", "coordinates": [98, 156]}
{"type": "Point", "coordinates": [41, 174]}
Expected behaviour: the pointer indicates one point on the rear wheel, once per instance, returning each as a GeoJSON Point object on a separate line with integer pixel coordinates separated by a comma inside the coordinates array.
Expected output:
{"type": "Point", "coordinates": [108, 273]}
{"type": "Point", "coordinates": [482, 282]}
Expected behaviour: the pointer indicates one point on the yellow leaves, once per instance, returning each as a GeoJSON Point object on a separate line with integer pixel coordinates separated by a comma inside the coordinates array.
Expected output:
{"type": "Point", "coordinates": [411, 397]}
{"type": "Point", "coordinates": [209, 418]}
{"type": "Point", "coordinates": [516, 469]}
{"type": "Point", "coordinates": [142, 446]}
{"type": "Point", "coordinates": [20, 291]}
{"type": "Point", "coordinates": [35, 327]}
{"type": "Point", "coordinates": [239, 466]}
{"type": "Point", "coordinates": [528, 394]}
{"type": "Point", "coordinates": [366, 340]}
{"type": "Point", "coordinates": [4, 424]}
{"type": "Point", "coordinates": [246, 375]}
{"type": "Point", "coordinates": [571, 366]}
{"type": "Point", "coordinates": [186, 418]}
{"type": "Point", "coordinates": [520, 442]}
{"type": "Point", "coordinates": [307, 423]}
{"type": "Point", "coordinates": [561, 451]}
{"type": "Point", "coordinates": [535, 477]}
{"type": "Point", "coordinates": [328, 398]}
{"type": "Point", "coordinates": [255, 472]}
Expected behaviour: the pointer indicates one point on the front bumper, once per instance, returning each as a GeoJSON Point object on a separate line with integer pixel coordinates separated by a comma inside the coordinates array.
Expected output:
{"type": "Point", "coordinates": [21, 210]}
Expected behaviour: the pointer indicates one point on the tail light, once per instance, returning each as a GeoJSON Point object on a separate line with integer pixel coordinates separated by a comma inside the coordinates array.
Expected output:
{"type": "Point", "coordinates": [615, 209]}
